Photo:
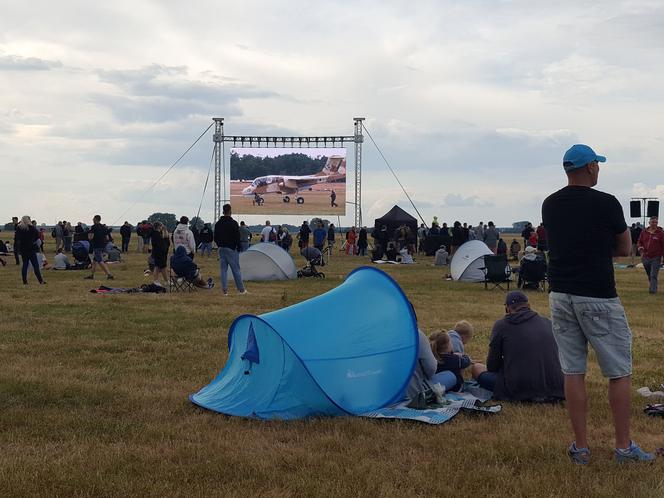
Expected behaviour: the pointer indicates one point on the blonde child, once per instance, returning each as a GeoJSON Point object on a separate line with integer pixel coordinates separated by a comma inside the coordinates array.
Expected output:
{"type": "Point", "coordinates": [461, 334]}
{"type": "Point", "coordinates": [450, 365]}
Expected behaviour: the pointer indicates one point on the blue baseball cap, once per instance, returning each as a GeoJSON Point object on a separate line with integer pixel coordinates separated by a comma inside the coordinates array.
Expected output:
{"type": "Point", "coordinates": [515, 297]}
{"type": "Point", "coordinates": [578, 156]}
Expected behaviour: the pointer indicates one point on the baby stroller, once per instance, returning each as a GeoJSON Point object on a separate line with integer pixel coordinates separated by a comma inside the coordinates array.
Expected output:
{"type": "Point", "coordinates": [314, 258]}
{"type": "Point", "coordinates": [532, 274]}
{"type": "Point", "coordinates": [81, 252]}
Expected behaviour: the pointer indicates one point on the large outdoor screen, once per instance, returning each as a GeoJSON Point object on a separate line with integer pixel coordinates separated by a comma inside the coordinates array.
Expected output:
{"type": "Point", "coordinates": [308, 181]}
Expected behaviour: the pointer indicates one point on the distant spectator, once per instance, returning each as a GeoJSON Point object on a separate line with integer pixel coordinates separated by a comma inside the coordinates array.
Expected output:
{"type": "Point", "coordinates": [160, 246]}
{"type": "Point", "coordinates": [651, 247]}
{"type": "Point", "coordinates": [26, 239]}
{"type": "Point", "coordinates": [98, 237]}
{"type": "Point", "coordinates": [319, 236]}
{"type": "Point", "coordinates": [125, 233]}
{"type": "Point", "coordinates": [245, 237]}
{"type": "Point", "coordinates": [330, 237]}
{"type": "Point", "coordinates": [266, 233]}
{"type": "Point", "coordinates": [206, 236]}
{"type": "Point", "coordinates": [183, 236]}
{"type": "Point", "coordinates": [351, 238]}
{"type": "Point", "coordinates": [227, 237]}
{"type": "Point", "coordinates": [491, 236]}
{"type": "Point", "coordinates": [183, 266]}
{"type": "Point", "coordinates": [542, 243]}
{"type": "Point", "coordinates": [303, 235]}
{"type": "Point", "coordinates": [362, 242]}
{"type": "Point", "coordinates": [515, 249]}
{"type": "Point", "coordinates": [60, 261]}
{"type": "Point", "coordinates": [286, 240]}
{"type": "Point", "coordinates": [441, 257]}
{"type": "Point", "coordinates": [501, 248]}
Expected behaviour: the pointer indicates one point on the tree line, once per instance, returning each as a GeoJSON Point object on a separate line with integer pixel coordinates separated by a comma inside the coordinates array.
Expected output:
{"type": "Point", "coordinates": [248, 167]}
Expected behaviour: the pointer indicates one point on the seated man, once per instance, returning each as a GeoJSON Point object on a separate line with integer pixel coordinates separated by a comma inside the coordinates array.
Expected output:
{"type": "Point", "coordinates": [522, 364]}
{"type": "Point", "coordinates": [60, 261]}
{"type": "Point", "coordinates": [441, 256]}
{"type": "Point", "coordinates": [183, 266]}
{"type": "Point", "coordinates": [391, 252]}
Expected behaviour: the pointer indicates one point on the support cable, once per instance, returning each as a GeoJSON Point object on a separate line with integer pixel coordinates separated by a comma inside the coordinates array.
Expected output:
{"type": "Point", "coordinates": [395, 175]}
{"type": "Point", "coordinates": [165, 173]}
{"type": "Point", "coordinates": [198, 214]}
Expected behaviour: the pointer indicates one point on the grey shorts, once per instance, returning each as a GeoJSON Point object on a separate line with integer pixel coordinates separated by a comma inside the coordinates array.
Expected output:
{"type": "Point", "coordinates": [579, 320]}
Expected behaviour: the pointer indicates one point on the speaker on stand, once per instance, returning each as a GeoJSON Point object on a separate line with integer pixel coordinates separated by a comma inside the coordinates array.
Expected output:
{"type": "Point", "coordinates": [653, 209]}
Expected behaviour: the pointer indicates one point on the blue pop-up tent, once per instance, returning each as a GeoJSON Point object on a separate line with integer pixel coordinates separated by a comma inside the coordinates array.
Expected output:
{"type": "Point", "coordinates": [355, 355]}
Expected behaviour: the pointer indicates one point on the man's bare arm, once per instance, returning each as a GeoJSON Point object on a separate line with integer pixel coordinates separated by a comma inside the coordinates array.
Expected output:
{"type": "Point", "coordinates": [622, 244]}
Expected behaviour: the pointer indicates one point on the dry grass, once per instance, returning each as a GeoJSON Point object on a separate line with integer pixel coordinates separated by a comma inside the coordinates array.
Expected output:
{"type": "Point", "coordinates": [93, 402]}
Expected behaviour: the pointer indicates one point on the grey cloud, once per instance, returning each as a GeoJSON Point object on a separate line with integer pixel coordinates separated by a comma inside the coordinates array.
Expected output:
{"type": "Point", "coordinates": [457, 200]}
{"type": "Point", "coordinates": [17, 63]}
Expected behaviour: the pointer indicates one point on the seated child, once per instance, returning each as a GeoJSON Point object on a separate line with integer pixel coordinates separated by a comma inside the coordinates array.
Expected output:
{"type": "Point", "coordinates": [460, 335]}
{"type": "Point", "coordinates": [450, 365]}
{"type": "Point", "coordinates": [405, 257]}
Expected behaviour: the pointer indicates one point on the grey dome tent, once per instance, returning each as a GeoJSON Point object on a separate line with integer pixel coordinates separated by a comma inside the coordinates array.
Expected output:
{"type": "Point", "coordinates": [395, 218]}
{"type": "Point", "coordinates": [265, 261]}
{"type": "Point", "coordinates": [467, 261]}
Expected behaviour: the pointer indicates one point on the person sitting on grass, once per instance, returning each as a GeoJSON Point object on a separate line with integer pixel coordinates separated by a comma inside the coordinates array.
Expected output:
{"type": "Point", "coordinates": [405, 257]}
{"type": "Point", "coordinates": [522, 364]}
{"type": "Point", "coordinates": [441, 256]}
{"type": "Point", "coordinates": [460, 335]}
{"type": "Point", "coordinates": [183, 266]}
{"type": "Point", "coordinates": [450, 364]}
{"type": "Point", "coordinates": [60, 261]}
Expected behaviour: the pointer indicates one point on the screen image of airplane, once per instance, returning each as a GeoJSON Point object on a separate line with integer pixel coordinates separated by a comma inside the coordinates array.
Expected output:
{"type": "Point", "coordinates": [310, 181]}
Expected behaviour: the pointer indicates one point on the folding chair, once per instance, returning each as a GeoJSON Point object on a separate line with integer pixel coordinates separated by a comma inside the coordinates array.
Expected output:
{"type": "Point", "coordinates": [532, 274]}
{"type": "Point", "coordinates": [177, 283]}
{"type": "Point", "coordinates": [496, 271]}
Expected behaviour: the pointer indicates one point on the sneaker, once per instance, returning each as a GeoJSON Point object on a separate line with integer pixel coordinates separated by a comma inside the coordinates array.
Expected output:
{"type": "Point", "coordinates": [633, 454]}
{"type": "Point", "coordinates": [225, 293]}
{"type": "Point", "coordinates": [109, 277]}
{"type": "Point", "coordinates": [89, 277]}
{"type": "Point", "coordinates": [580, 456]}
{"type": "Point", "coordinates": [243, 292]}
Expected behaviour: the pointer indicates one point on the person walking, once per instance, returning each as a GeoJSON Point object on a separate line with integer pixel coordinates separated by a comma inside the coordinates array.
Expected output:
{"type": "Point", "coordinates": [27, 237]}
{"type": "Point", "coordinates": [333, 198]}
{"type": "Point", "coordinates": [98, 237]}
{"type": "Point", "coordinates": [585, 307]}
{"type": "Point", "coordinates": [227, 237]}
{"type": "Point", "coordinates": [651, 248]}
{"type": "Point", "coordinates": [330, 238]}
{"type": "Point", "coordinates": [125, 233]}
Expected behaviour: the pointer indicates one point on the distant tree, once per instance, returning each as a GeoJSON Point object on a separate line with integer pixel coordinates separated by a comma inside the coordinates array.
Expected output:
{"type": "Point", "coordinates": [196, 222]}
{"type": "Point", "coordinates": [9, 227]}
{"type": "Point", "coordinates": [168, 219]}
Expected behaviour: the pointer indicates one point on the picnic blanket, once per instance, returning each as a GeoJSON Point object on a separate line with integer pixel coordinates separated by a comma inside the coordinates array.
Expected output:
{"type": "Point", "coordinates": [145, 288]}
{"type": "Point", "coordinates": [470, 399]}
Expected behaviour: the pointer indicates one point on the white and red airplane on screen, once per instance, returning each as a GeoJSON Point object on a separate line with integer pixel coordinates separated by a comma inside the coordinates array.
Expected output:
{"type": "Point", "coordinates": [333, 171]}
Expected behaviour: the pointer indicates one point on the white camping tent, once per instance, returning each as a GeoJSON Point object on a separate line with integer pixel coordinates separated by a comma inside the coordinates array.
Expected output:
{"type": "Point", "coordinates": [265, 261]}
{"type": "Point", "coordinates": [467, 261]}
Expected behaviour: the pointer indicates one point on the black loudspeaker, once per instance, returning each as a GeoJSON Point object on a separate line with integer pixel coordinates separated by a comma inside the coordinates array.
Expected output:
{"type": "Point", "coordinates": [653, 208]}
{"type": "Point", "coordinates": [635, 209]}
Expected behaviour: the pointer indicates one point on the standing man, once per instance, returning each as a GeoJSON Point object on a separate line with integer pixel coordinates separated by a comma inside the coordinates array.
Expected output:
{"type": "Point", "coordinates": [584, 304]}
{"type": "Point", "coordinates": [227, 237]}
{"type": "Point", "coordinates": [266, 233]}
{"type": "Point", "coordinates": [304, 234]}
{"type": "Point", "coordinates": [125, 232]}
{"type": "Point", "coordinates": [651, 248]}
{"type": "Point", "coordinates": [98, 237]}
{"type": "Point", "coordinates": [333, 198]}
{"type": "Point", "coordinates": [59, 241]}
{"type": "Point", "coordinates": [319, 237]}
{"type": "Point", "coordinates": [330, 238]}
{"type": "Point", "coordinates": [245, 237]}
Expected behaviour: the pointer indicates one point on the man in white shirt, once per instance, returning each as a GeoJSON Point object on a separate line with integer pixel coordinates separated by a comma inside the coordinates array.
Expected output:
{"type": "Point", "coordinates": [266, 232]}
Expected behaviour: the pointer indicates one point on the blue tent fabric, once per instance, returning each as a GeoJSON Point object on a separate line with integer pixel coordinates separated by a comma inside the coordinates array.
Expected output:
{"type": "Point", "coordinates": [251, 353]}
{"type": "Point", "coordinates": [326, 370]}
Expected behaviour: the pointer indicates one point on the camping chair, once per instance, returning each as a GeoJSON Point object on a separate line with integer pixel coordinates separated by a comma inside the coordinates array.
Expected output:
{"type": "Point", "coordinates": [176, 283]}
{"type": "Point", "coordinates": [496, 271]}
{"type": "Point", "coordinates": [532, 274]}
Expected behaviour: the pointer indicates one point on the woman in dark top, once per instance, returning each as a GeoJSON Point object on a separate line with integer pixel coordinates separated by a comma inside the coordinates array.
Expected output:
{"type": "Point", "coordinates": [160, 245]}
{"type": "Point", "coordinates": [27, 236]}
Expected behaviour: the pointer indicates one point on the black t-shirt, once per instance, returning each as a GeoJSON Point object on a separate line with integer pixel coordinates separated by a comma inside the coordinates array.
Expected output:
{"type": "Point", "coordinates": [582, 224]}
{"type": "Point", "coordinates": [99, 236]}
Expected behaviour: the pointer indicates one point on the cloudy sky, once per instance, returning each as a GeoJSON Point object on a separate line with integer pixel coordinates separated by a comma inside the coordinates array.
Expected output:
{"type": "Point", "coordinates": [473, 102]}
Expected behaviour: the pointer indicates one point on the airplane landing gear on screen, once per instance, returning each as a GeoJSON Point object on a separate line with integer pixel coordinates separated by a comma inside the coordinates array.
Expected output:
{"type": "Point", "coordinates": [286, 199]}
{"type": "Point", "coordinates": [300, 200]}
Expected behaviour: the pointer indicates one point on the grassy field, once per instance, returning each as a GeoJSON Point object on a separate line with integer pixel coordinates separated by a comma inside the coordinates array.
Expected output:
{"type": "Point", "coordinates": [93, 401]}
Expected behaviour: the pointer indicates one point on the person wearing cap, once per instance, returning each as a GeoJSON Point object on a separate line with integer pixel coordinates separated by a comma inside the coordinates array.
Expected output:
{"type": "Point", "coordinates": [183, 236]}
{"type": "Point", "coordinates": [522, 364]}
{"type": "Point", "coordinates": [585, 307]}
{"type": "Point", "coordinates": [651, 248]}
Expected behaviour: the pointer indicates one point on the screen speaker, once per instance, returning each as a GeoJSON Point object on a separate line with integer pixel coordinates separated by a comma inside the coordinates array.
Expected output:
{"type": "Point", "coordinates": [653, 208]}
{"type": "Point", "coordinates": [635, 209]}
